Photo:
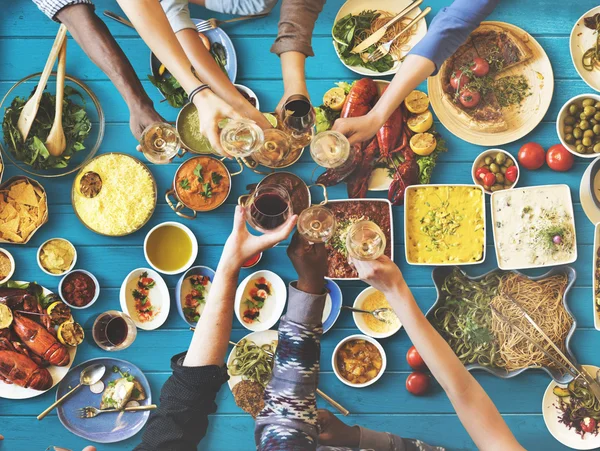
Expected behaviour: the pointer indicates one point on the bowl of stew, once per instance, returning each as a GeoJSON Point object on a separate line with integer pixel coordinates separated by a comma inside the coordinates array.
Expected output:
{"type": "Point", "coordinates": [79, 289]}
{"type": "Point", "coordinates": [359, 361]}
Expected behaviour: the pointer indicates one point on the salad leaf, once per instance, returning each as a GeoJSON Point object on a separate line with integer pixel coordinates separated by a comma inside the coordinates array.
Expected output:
{"type": "Point", "coordinates": [219, 54]}
{"type": "Point", "coordinates": [170, 88]}
{"type": "Point", "coordinates": [325, 117]}
{"type": "Point", "coordinates": [427, 163]}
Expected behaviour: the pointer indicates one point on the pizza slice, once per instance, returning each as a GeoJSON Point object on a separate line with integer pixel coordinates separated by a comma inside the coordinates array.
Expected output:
{"type": "Point", "coordinates": [501, 47]}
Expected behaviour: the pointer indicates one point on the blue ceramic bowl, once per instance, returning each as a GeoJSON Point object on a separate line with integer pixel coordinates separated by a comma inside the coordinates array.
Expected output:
{"type": "Point", "coordinates": [595, 191]}
{"type": "Point", "coordinates": [335, 294]}
{"type": "Point", "coordinates": [439, 274]}
{"type": "Point", "coordinates": [193, 271]}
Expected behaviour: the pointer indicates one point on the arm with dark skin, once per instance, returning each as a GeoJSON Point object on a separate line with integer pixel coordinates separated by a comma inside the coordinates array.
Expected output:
{"type": "Point", "coordinates": [95, 39]}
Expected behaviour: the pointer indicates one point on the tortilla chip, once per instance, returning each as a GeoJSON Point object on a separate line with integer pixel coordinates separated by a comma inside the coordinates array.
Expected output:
{"type": "Point", "coordinates": [10, 226]}
{"type": "Point", "coordinates": [7, 211]}
{"type": "Point", "coordinates": [9, 236]}
{"type": "Point", "coordinates": [24, 193]}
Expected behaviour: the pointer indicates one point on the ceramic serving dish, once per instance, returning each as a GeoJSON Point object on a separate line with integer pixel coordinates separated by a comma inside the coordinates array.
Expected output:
{"type": "Point", "coordinates": [560, 124]}
{"type": "Point", "coordinates": [596, 278]}
{"type": "Point", "coordinates": [490, 153]}
{"type": "Point", "coordinates": [158, 295]}
{"type": "Point", "coordinates": [179, 294]}
{"type": "Point", "coordinates": [439, 275]}
{"type": "Point", "coordinates": [375, 343]}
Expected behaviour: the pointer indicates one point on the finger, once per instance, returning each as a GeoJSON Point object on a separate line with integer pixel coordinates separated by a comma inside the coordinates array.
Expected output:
{"type": "Point", "coordinates": [271, 238]}
{"type": "Point", "coordinates": [214, 137]}
{"type": "Point", "coordinates": [232, 114]}
{"type": "Point", "coordinates": [354, 138]}
{"type": "Point", "coordinates": [239, 219]}
{"type": "Point", "coordinates": [138, 148]}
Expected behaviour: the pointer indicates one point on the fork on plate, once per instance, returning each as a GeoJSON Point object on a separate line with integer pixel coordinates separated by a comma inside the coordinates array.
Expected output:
{"type": "Point", "coordinates": [211, 24]}
{"type": "Point", "coordinates": [383, 49]}
{"type": "Point", "coordinates": [91, 412]}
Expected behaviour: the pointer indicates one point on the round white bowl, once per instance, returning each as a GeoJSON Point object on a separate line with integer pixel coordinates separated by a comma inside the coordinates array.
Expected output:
{"type": "Point", "coordinates": [39, 262]}
{"type": "Point", "coordinates": [12, 264]}
{"type": "Point", "coordinates": [280, 298]}
{"type": "Point", "coordinates": [248, 92]}
{"type": "Point", "coordinates": [359, 318]}
{"type": "Point", "coordinates": [560, 122]}
{"type": "Point", "coordinates": [96, 283]}
{"type": "Point", "coordinates": [359, 337]}
{"type": "Point", "coordinates": [159, 297]}
{"type": "Point", "coordinates": [192, 258]}
{"type": "Point", "coordinates": [491, 152]}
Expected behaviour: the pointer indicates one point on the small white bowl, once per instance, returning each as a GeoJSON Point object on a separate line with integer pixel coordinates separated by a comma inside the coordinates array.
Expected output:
{"type": "Point", "coordinates": [491, 152]}
{"type": "Point", "coordinates": [159, 296]}
{"type": "Point", "coordinates": [96, 284]}
{"type": "Point", "coordinates": [273, 308]}
{"type": "Point", "coordinates": [560, 122]}
{"type": "Point", "coordinates": [190, 262]}
{"type": "Point", "coordinates": [359, 337]}
{"type": "Point", "coordinates": [12, 264]}
{"type": "Point", "coordinates": [39, 261]}
{"type": "Point", "coordinates": [249, 92]}
{"type": "Point", "coordinates": [359, 318]}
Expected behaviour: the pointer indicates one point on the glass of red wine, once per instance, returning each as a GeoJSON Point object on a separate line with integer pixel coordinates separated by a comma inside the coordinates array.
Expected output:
{"type": "Point", "coordinates": [298, 118]}
{"type": "Point", "coordinates": [114, 331]}
{"type": "Point", "coordinates": [268, 208]}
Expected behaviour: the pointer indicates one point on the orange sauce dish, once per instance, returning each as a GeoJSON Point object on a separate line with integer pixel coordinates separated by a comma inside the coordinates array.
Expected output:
{"type": "Point", "coordinates": [359, 361]}
{"type": "Point", "coordinates": [202, 183]}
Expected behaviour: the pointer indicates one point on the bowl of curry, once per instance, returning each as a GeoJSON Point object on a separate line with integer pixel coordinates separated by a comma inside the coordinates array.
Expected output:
{"type": "Point", "coordinates": [200, 184]}
{"type": "Point", "coordinates": [359, 361]}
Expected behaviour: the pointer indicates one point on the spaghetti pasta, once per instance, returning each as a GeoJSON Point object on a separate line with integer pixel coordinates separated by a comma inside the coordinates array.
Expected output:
{"type": "Point", "coordinates": [400, 45]}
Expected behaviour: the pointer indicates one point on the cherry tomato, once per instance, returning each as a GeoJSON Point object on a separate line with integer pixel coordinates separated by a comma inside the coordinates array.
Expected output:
{"type": "Point", "coordinates": [532, 156]}
{"type": "Point", "coordinates": [469, 99]}
{"type": "Point", "coordinates": [459, 80]}
{"type": "Point", "coordinates": [511, 174]}
{"type": "Point", "coordinates": [588, 424]}
{"type": "Point", "coordinates": [417, 383]}
{"type": "Point", "coordinates": [480, 67]}
{"type": "Point", "coordinates": [489, 179]}
{"type": "Point", "coordinates": [559, 159]}
{"type": "Point", "coordinates": [415, 360]}
{"type": "Point", "coordinates": [480, 173]}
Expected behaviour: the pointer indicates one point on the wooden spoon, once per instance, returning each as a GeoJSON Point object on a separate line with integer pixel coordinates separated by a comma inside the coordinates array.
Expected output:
{"type": "Point", "coordinates": [30, 109]}
{"type": "Point", "coordinates": [56, 142]}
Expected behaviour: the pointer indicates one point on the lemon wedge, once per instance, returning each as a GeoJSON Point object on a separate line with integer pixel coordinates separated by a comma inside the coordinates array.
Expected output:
{"type": "Point", "coordinates": [417, 102]}
{"type": "Point", "coordinates": [423, 143]}
{"type": "Point", "coordinates": [421, 122]}
{"type": "Point", "coordinates": [6, 316]}
{"type": "Point", "coordinates": [334, 99]}
{"type": "Point", "coordinates": [70, 333]}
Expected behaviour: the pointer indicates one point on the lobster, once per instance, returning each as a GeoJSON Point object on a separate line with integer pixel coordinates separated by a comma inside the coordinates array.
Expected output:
{"type": "Point", "coordinates": [390, 132]}
{"type": "Point", "coordinates": [17, 368]}
{"type": "Point", "coordinates": [358, 182]}
{"type": "Point", "coordinates": [406, 174]}
{"type": "Point", "coordinates": [40, 341]}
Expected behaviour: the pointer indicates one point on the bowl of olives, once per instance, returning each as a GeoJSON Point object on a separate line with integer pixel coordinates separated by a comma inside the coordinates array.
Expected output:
{"type": "Point", "coordinates": [578, 125]}
{"type": "Point", "coordinates": [495, 170]}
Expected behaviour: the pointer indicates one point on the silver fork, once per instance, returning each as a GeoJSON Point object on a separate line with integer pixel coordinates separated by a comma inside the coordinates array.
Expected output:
{"type": "Point", "coordinates": [91, 412]}
{"type": "Point", "coordinates": [211, 24]}
{"type": "Point", "coordinates": [384, 49]}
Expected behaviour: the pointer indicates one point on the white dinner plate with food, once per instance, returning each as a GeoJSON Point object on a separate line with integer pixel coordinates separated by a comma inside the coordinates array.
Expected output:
{"type": "Point", "coordinates": [585, 197]}
{"type": "Point", "coordinates": [552, 416]}
{"type": "Point", "coordinates": [389, 8]}
{"type": "Point", "coordinates": [263, 338]}
{"type": "Point", "coordinates": [596, 277]}
{"type": "Point", "coordinates": [582, 39]}
{"type": "Point", "coordinates": [13, 391]}
{"type": "Point", "coordinates": [487, 123]}
{"type": "Point", "coordinates": [144, 296]}
{"type": "Point", "coordinates": [260, 300]}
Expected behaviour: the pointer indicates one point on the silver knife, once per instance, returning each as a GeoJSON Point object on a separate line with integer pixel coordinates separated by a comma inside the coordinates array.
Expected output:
{"type": "Point", "coordinates": [376, 37]}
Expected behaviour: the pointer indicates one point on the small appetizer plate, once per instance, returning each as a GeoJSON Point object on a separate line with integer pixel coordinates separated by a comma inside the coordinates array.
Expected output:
{"type": "Point", "coordinates": [272, 308]}
{"type": "Point", "coordinates": [183, 285]}
{"type": "Point", "coordinates": [87, 273]}
{"type": "Point", "coordinates": [333, 304]}
{"type": "Point", "coordinates": [491, 153]}
{"type": "Point", "coordinates": [69, 269]}
{"type": "Point", "coordinates": [261, 338]}
{"type": "Point", "coordinates": [367, 339]}
{"type": "Point", "coordinates": [12, 265]}
{"type": "Point", "coordinates": [596, 278]}
{"type": "Point", "coordinates": [359, 318]}
{"type": "Point", "coordinates": [560, 123]}
{"type": "Point", "coordinates": [586, 196]}
{"type": "Point", "coordinates": [581, 39]}
{"type": "Point", "coordinates": [158, 297]}
{"type": "Point", "coordinates": [560, 431]}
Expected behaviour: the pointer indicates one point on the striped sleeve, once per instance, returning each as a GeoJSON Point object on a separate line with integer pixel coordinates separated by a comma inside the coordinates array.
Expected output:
{"type": "Point", "coordinates": [52, 7]}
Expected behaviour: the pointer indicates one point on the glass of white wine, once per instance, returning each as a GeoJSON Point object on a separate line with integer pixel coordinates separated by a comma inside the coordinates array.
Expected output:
{"type": "Point", "coordinates": [241, 138]}
{"type": "Point", "coordinates": [275, 149]}
{"type": "Point", "coordinates": [331, 149]}
{"type": "Point", "coordinates": [365, 241]}
{"type": "Point", "coordinates": [160, 142]}
{"type": "Point", "coordinates": [317, 224]}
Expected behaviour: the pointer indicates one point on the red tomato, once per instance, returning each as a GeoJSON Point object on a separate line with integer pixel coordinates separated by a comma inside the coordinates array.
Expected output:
{"type": "Point", "coordinates": [415, 360]}
{"type": "Point", "coordinates": [511, 174]}
{"type": "Point", "coordinates": [559, 159]}
{"type": "Point", "coordinates": [480, 67]}
{"type": "Point", "coordinates": [417, 383]}
{"type": "Point", "coordinates": [489, 179]}
{"type": "Point", "coordinates": [480, 173]}
{"type": "Point", "coordinates": [532, 156]}
{"type": "Point", "coordinates": [459, 80]}
{"type": "Point", "coordinates": [588, 424]}
{"type": "Point", "coordinates": [469, 99]}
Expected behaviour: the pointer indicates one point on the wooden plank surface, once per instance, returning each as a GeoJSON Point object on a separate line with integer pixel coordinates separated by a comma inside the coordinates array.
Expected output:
{"type": "Point", "coordinates": [25, 38]}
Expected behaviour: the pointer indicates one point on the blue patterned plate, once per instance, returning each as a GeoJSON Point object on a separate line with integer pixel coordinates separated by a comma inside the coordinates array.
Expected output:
{"type": "Point", "coordinates": [107, 427]}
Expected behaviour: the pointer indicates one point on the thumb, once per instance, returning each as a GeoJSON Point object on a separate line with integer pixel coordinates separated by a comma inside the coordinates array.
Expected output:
{"type": "Point", "coordinates": [232, 114]}
{"type": "Point", "coordinates": [239, 219]}
{"type": "Point", "coordinates": [270, 239]}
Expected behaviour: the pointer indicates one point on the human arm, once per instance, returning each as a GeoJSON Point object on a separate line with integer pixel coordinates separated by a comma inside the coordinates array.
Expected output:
{"type": "Point", "coordinates": [449, 29]}
{"type": "Point", "coordinates": [474, 408]}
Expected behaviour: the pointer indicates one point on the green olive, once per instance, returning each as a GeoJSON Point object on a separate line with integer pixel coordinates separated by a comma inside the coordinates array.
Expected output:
{"type": "Point", "coordinates": [499, 178]}
{"type": "Point", "coordinates": [587, 142]}
{"type": "Point", "coordinates": [597, 116]}
{"type": "Point", "coordinates": [496, 188]}
{"type": "Point", "coordinates": [508, 185]}
{"type": "Point", "coordinates": [582, 116]}
{"type": "Point", "coordinates": [488, 160]}
{"type": "Point", "coordinates": [596, 148]}
{"type": "Point", "coordinates": [577, 142]}
{"type": "Point", "coordinates": [568, 129]}
{"type": "Point", "coordinates": [574, 109]}
{"type": "Point", "coordinates": [494, 168]}
{"type": "Point", "coordinates": [588, 133]}
{"type": "Point", "coordinates": [580, 148]}
{"type": "Point", "coordinates": [503, 169]}
{"type": "Point", "coordinates": [569, 138]}
{"type": "Point", "coordinates": [589, 111]}
{"type": "Point", "coordinates": [569, 120]}
{"type": "Point", "coordinates": [588, 102]}
{"type": "Point", "coordinates": [597, 105]}
{"type": "Point", "coordinates": [509, 162]}
{"type": "Point", "coordinates": [596, 129]}
{"type": "Point", "coordinates": [584, 125]}
{"type": "Point", "coordinates": [593, 121]}
{"type": "Point", "coordinates": [500, 158]}
{"type": "Point", "coordinates": [577, 133]}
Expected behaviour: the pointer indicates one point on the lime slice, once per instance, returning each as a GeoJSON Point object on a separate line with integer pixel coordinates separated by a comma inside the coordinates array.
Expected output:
{"type": "Point", "coordinates": [272, 119]}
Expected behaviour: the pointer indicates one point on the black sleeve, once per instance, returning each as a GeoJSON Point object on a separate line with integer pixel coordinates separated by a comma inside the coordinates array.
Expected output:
{"type": "Point", "coordinates": [186, 400]}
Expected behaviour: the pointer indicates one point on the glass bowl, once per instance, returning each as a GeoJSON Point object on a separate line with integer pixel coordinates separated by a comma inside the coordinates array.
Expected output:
{"type": "Point", "coordinates": [24, 88]}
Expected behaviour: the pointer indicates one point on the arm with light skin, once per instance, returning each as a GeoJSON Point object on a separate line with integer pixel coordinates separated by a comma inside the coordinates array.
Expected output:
{"type": "Point", "coordinates": [474, 408]}
{"type": "Point", "coordinates": [294, 79]}
{"type": "Point", "coordinates": [214, 326]}
{"type": "Point", "coordinates": [95, 39]}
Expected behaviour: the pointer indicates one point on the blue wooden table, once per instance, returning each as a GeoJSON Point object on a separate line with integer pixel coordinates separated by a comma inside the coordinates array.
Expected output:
{"type": "Point", "coordinates": [26, 37]}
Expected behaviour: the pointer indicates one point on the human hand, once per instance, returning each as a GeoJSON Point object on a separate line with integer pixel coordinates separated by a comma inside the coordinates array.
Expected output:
{"type": "Point", "coordinates": [310, 262]}
{"type": "Point", "coordinates": [298, 88]}
{"type": "Point", "coordinates": [358, 129]}
{"type": "Point", "coordinates": [140, 118]}
{"type": "Point", "coordinates": [56, 448]}
{"type": "Point", "coordinates": [382, 274]}
{"type": "Point", "coordinates": [241, 244]}
{"type": "Point", "coordinates": [334, 432]}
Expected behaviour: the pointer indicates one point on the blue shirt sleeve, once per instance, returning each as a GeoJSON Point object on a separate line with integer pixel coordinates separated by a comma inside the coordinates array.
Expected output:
{"type": "Point", "coordinates": [450, 29]}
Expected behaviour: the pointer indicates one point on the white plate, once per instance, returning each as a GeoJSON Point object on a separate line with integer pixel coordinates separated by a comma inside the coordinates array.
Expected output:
{"type": "Point", "coordinates": [274, 304]}
{"type": "Point", "coordinates": [559, 431]}
{"type": "Point", "coordinates": [12, 391]}
{"type": "Point", "coordinates": [594, 277]}
{"type": "Point", "coordinates": [394, 6]}
{"type": "Point", "coordinates": [587, 203]}
{"type": "Point", "coordinates": [159, 296]}
{"type": "Point", "coordinates": [260, 338]}
{"type": "Point", "coordinates": [582, 38]}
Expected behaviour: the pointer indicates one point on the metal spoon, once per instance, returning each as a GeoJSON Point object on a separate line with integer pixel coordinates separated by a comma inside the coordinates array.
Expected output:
{"type": "Point", "coordinates": [89, 376]}
{"type": "Point", "coordinates": [377, 313]}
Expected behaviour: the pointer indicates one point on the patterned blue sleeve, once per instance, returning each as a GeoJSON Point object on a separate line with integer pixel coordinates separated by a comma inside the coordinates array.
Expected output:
{"type": "Point", "coordinates": [450, 29]}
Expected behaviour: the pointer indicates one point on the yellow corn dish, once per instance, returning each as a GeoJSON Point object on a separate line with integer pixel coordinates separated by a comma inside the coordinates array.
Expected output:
{"type": "Point", "coordinates": [444, 224]}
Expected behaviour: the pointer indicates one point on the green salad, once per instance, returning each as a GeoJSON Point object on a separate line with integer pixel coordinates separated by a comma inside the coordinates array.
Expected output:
{"type": "Point", "coordinates": [33, 152]}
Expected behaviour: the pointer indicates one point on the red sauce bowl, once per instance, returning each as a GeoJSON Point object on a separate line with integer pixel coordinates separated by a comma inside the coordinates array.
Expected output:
{"type": "Point", "coordinates": [252, 261]}
{"type": "Point", "coordinates": [79, 289]}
